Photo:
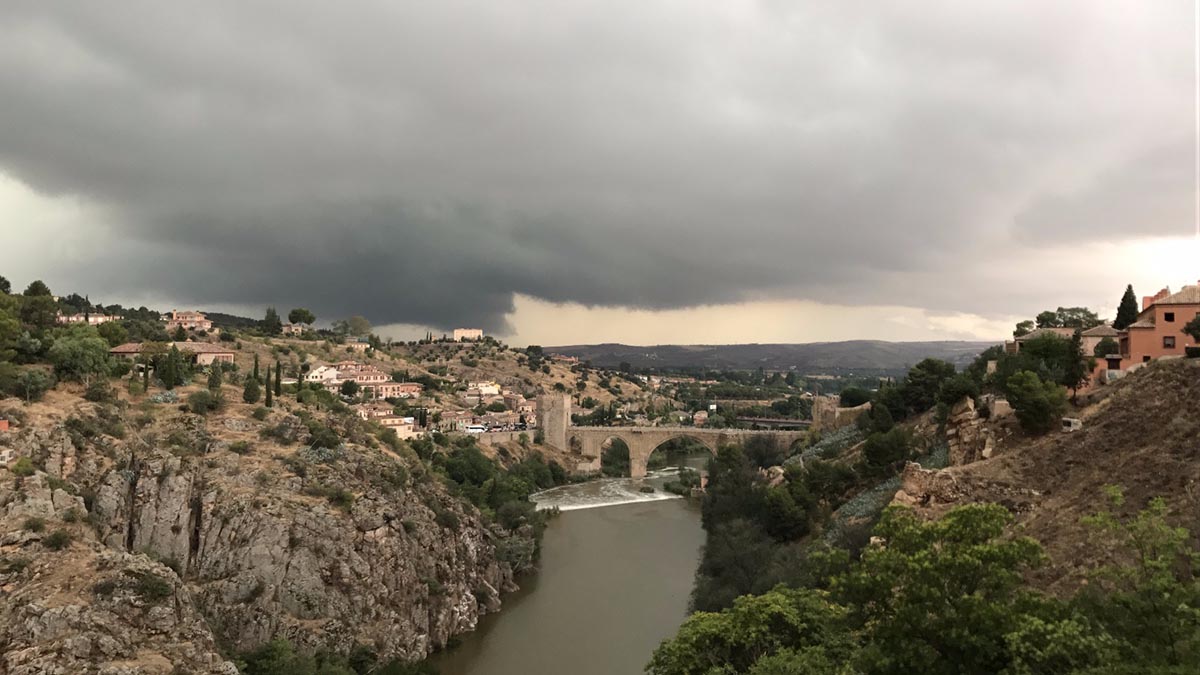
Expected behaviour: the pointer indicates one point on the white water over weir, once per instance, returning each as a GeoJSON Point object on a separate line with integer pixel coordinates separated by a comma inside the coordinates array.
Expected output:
{"type": "Point", "coordinates": [607, 492]}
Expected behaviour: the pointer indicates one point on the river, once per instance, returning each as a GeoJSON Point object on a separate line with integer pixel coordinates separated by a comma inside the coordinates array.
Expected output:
{"type": "Point", "coordinates": [614, 582]}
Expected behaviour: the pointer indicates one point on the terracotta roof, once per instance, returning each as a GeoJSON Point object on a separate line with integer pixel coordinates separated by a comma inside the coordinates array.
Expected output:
{"type": "Point", "coordinates": [1057, 332]}
{"type": "Point", "coordinates": [1142, 324]}
{"type": "Point", "coordinates": [1188, 295]}
{"type": "Point", "coordinates": [127, 348]}
{"type": "Point", "coordinates": [1103, 330]}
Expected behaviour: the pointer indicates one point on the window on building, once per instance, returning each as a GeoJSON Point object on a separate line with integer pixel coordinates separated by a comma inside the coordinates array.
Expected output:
{"type": "Point", "coordinates": [1145, 359]}
{"type": "Point", "coordinates": [1169, 317]}
{"type": "Point", "coordinates": [1169, 342]}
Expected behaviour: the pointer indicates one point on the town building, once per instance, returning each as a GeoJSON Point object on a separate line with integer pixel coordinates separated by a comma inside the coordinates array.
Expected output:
{"type": "Point", "coordinates": [1158, 331]}
{"type": "Point", "coordinates": [321, 374]}
{"type": "Point", "coordinates": [468, 334]}
{"type": "Point", "coordinates": [89, 319]}
{"type": "Point", "coordinates": [188, 320]}
{"type": "Point", "coordinates": [294, 329]}
{"type": "Point", "coordinates": [700, 418]}
{"type": "Point", "coordinates": [360, 345]}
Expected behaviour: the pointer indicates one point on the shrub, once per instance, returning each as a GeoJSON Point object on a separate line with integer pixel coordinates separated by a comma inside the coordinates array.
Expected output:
{"type": "Point", "coordinates": [883, 450]}
{"type": "Point", "coordinates": [260, 413]}
{"type": "Point", "coordinates": [240, 447]}
{"type": "Point", "coordinates": [33, 524]}
{"type": "Point", "coordinates": [151, 587]}
{"type": "Point", "coordinates": [447, 519]}
{"type": "Point", "coordinates": [58, 540]}
{"type": "Point", "coordinates": [23, 467]}
{"type": "Point", "coordinates": [100, 392]}
{"type": "Point", "coordinates": [852, 397]}
{"type": "Point", "coordinates": [203, 402]}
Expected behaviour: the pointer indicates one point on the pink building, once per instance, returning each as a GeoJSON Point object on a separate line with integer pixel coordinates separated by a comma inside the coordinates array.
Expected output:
{"type": "Point", "coordinates": [187, 320]}
{"type": "Point", "coordinates": [1158, 332]}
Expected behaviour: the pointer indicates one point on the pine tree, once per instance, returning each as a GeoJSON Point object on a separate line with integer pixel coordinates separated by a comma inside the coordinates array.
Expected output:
{"type": "Point", "coordinates": [269, 398]}
{"type": "Point", "coordinates": [278, 379]}
{"type": "Point", "coordinates": [272, 325]}
{"type": "Point", "coordinates": [1127, 312]}
{"type": "Point", "coordinates": [250, 392]}
{"type": "Point", "coordinates": [256, 367]}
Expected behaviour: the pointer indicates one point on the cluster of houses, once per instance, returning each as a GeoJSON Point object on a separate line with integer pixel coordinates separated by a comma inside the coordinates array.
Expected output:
{"type": "Point", "coordinates": [85, 318]}
{"type": "Point", "coordinates": [371, 381]}
{"type": "Point", "coordinates": [1157, 333]}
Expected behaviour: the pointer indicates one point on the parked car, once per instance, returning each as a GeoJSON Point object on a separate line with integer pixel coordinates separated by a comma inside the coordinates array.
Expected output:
{"type": "Point", "coordinates": [475, 429]}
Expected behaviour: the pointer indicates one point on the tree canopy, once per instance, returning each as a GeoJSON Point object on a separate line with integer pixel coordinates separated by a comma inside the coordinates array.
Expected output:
{"type": "Point", "coordinates": [301, 315]}
{"type": "Point", "coordinates": [1127, 311]}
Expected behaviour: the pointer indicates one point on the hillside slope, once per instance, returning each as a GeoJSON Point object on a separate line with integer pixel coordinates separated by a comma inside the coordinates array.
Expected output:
{"type": "Point", "coordinates": [811, 358]}
{"type": "Point", "coordinates": [1142, 434]}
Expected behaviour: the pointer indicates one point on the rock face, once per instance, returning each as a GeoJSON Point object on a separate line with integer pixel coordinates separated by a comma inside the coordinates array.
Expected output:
{"type": "Point", "coordinates": [968, 435]}
{"type": "Point", "coordinates": [93, 610]}
{"type": "Point", "coordinates": [265, 559]}
{"type": "Point", "coordinates": [330, 550]}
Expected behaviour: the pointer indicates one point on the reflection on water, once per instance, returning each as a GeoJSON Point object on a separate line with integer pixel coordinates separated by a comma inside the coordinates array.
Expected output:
{"type": "Point", "coordinates": [614, 582]}
{"type": "Point", "coordinates": [614, 491]}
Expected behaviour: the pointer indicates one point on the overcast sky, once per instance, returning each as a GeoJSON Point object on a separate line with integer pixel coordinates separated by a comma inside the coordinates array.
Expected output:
{"type": "Point", "coordinates": [562, 171]}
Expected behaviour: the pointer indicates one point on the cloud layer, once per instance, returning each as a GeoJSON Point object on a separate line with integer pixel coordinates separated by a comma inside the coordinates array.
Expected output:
{"type": "Point", "coordinates": [422, 163]}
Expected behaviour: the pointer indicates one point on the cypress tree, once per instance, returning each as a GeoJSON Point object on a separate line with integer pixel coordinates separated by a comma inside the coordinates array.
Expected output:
{"type": "Point", "coordinates": [268, 400]}
{"type": "Point", "coordinates": [1127, 312]}
{"type": "Point", "coordinates": [146, 377]}
{"type": "Point", "coordinates": [278, 379]}
{"type": "Point", "coordinates": [256, 366]}
{"type": "Point", "coordinates": [214, 377]}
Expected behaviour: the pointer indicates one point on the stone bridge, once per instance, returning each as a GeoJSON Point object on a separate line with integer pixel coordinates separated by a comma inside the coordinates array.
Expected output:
{"type": "Point", "coordinates": [555, 422]}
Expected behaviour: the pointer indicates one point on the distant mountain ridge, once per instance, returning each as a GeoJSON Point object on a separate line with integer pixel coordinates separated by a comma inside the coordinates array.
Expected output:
{"type": "Point", "coordinates": [807, 358]}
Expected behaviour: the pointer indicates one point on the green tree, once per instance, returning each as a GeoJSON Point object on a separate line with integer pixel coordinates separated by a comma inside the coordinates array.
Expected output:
{"type": "Point", "coordinates": [923, 382]}
{"type": "Point", "coordinates": [37, 288]}
{"type": "Point", "coordinates": [255, 375]}
{"type": "Point", "coordinates": [38, 310]}
{"type": "Point", "coordinates": [1150, 597]}
{"type": "Point", "coordinates": [113, 333]}
{"type": "Point", "coordinates": [938, 597]}
{"type": "Point", "coordinates": [358, 326]}
{"type": "Point", "coordinates": [1023, 328]}
{"type": "Point", "coordinates": [269, 400]}
{"type": "Point", "coordinates": [173, 369]}
{"type": "Point", "coordinates": [883, 450]}
{"type": "Point", "coordinates": [1192, 328]}
{"type": "Point", "coordinates": [852, 397]}
{"type": "Point", "coordinates": [1079, 366]}
{"type": "Point", "coordinates": [301, 315]}
{"type": "Point", "coordinates": [32, 383]}
{"type": "Point", "coordinates": [1038, 404]}
{"type": "Point", "coordinates": [1127, 311]}
{"type": "Point", "coordinates": [5, 286]}
{"type": "Point", "coordinates": [278, 379]}
{"type": "Point", "coordinates": [349, 388]}
{"type": "Point", "coordinates": [180, 334]}
{"type": "Point", "coordinates": [79, 356]}
{"type": "Point", "coordinates": [214, 377]}
{"type": "Point", "coordinates": [251, 391]}
{"type": "Point", "coordinates": [796, 624]}
{"type": "Point", "coordinates": [271, 324]}
{"type": "Point", "coordinates": [1105, 347]}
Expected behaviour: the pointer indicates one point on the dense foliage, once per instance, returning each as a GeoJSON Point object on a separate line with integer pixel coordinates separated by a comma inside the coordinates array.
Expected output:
{"type": "Point", "coordinates": [947, 598]}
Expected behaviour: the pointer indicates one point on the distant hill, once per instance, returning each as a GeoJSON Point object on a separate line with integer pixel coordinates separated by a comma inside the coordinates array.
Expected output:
{"type": "Point", "coordinates": [865, 356]}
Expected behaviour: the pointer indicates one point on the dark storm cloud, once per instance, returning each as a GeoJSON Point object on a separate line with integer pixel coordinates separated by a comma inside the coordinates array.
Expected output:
{"type": "Point", "coordinates": [423, 162]}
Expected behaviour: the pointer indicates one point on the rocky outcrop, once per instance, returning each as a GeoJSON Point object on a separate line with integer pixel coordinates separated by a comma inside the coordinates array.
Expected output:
{"type": "Point", "coordinates": [91, 610]}
{"type": "Point", "coordinates": [968, 435]}
{"type": "Point", "coordinates": [328, 549]}
{"type": "Point", "coordinates": [403, 568]}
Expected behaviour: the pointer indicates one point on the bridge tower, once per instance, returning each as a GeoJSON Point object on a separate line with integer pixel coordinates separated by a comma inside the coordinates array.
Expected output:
{"type": "Point", "coordinates": [554, 416]}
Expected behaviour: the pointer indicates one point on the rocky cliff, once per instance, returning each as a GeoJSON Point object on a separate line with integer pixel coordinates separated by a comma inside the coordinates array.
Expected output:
{"type": "Point", "coordinates": [245, 542]}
